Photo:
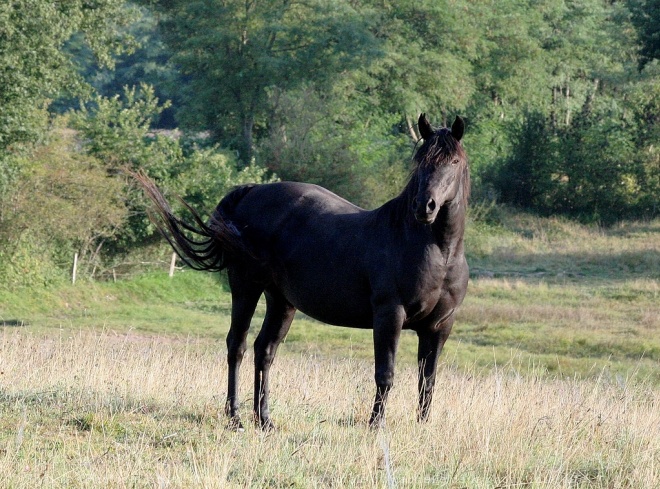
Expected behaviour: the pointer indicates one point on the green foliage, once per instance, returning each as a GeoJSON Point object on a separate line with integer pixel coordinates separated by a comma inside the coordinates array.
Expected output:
{"type": "Point", "coordinates": [28, 262]}
{"type": "Point", "coordinates": [33, 66]}
{"type": "Point", "coordinates": [208, 174]}
{"type": "Point", "coordinates": [314, 138]}
{"type": "Point", "coordinates": [61, 201]}
{"type": "Point", "coordinates": [603, 167]}
{"type": "Point", "coordinates": [73, 194]}
{"type": "Point", "coordinates": [429, 47]}
{"type": "Point", "coordinates": [646, 18]}
{"type": "Point", "coordinates": [147, 64]}
{"type": "Point", "coordinates": [117, 132]}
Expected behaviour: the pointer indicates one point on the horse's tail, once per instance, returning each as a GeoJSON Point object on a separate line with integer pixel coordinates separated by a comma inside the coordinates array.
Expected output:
{"type": "Point", "coordinates": [201, 246]}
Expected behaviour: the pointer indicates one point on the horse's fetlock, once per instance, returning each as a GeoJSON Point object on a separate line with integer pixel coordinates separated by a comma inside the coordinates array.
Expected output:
{"type": "Point", "coordinates": [384, 380]}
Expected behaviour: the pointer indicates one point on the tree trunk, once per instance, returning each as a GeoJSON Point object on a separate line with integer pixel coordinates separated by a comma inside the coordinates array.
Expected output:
{"type": "Point", "coordinates": [247, 151]}
{"type": "Point", "coordinates": [568, 105]}
{"type": "Point", "coordinates": [411, 130]}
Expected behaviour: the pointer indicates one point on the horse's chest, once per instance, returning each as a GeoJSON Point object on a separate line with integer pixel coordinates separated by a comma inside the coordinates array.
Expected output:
{"type": "Point", "coordinates": [431, 289]}
{"type": "Point", "coordinates": [421, 289]}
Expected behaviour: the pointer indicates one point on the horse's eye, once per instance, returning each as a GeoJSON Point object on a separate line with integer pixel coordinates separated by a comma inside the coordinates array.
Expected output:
{"type": "Point", "coordinates": [455, 161]}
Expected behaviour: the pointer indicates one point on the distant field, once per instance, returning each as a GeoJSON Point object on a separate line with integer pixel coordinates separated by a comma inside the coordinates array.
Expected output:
{"type": "Point", "coordinates": [551, 378]}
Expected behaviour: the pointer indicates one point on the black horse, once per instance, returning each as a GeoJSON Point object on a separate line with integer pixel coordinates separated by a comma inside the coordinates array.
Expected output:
{"type": "Point", "coordinates": [399, 266]}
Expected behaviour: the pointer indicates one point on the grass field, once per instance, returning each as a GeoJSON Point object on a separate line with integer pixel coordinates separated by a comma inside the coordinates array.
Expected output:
{"type": "Point", "coordinates": [136, 411]}
{"type": "Point", "coordinates": [550, 379]}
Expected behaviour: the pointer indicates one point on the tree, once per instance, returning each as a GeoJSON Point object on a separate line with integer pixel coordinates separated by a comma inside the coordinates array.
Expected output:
{"type": "Point", "coordinates": [646, 19]}
{"type": "Point", "coordinates": [232, 52]}
{"type": "Point", "coordinates": [62, 201]}
{"type": "Point", "coordinates": [117, 132]}
{"type": "Point", "coordinates": [148, 63]}
{"type": "Point", "coordinates": [429, 47]}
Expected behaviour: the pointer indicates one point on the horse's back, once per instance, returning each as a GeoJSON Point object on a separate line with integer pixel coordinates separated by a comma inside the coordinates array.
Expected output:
{"type": "Point", "coordinates": [249, 202]}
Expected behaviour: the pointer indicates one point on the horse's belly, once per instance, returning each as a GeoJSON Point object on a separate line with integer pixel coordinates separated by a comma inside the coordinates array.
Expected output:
{"type": "Point", "coordinates": [332, 307]}
{"type": "Point", "coordinates": [338, 317]}
{"type": "Point", "coordinates": [329, 298]}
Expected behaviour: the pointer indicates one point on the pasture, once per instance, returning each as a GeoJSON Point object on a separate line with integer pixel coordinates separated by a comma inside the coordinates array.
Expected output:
{"type": "Point", "coordinates": [551, 378]}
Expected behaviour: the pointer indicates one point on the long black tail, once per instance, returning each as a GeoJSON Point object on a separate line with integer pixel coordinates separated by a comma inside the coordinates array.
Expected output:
{"type": "Point", "coordinates": [200, 245]}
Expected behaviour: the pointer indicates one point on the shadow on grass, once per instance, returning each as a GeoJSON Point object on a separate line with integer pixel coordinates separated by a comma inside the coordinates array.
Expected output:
{"type": "Point", "coordinates": [13, 322]}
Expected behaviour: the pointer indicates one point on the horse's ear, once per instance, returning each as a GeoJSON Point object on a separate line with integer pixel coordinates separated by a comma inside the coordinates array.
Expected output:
{"type": "Point", "coordinates": [458, 128]}
{"type": "Point", "coordinates": [425, 129]}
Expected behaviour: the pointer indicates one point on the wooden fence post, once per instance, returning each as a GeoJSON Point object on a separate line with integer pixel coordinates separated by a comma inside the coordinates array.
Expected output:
{"type": "Point", "coordinates": [75, 268]}
{"type": "Point", "coordinates": [172, 265]}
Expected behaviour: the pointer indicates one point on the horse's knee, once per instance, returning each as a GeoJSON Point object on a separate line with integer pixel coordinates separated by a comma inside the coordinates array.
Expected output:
{"type": "Point", "coordinates": [236, 343]}
{"type": "Point", "coordinates": [235, 352]}
{"type": "Point", "coordinates": [263, 357]}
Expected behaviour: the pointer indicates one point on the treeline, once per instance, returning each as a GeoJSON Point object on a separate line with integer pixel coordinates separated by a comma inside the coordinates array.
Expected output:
{"type": "Point", "coordinates": [561, 98]}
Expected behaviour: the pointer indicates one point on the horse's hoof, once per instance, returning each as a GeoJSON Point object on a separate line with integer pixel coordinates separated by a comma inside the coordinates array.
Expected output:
{"type": "Point", "coordinates": [266, 425]}
{"type": "Point", "coordinates": [377, 422]}
{"type": "Point", "coordinates": [235, 424]}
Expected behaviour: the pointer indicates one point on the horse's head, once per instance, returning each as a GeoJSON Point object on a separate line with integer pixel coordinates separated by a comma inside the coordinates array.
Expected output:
{"type": "Point", "coordinates": [441, 164]}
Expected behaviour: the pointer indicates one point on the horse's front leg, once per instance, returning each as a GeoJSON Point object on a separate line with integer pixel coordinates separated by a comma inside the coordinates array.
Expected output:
{"type": "Point", "coordinates": [387, 329]}
{"type": "Point", "coordinates": [429, 348]}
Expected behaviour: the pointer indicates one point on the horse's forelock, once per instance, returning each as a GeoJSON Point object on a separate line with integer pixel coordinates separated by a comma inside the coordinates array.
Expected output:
{"type": "Point", "coordinates": [441, 148]}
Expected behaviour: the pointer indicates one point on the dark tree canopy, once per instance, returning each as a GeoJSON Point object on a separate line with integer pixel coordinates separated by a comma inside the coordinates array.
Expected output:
{"type": "Point", "coordinates": [646, 18]}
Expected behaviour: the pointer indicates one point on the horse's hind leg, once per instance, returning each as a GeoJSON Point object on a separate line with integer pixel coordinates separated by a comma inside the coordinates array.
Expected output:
{"type": "Point", "coordinates": [245, 296]}
{"type": "Point", "coordinates": [279, 314]}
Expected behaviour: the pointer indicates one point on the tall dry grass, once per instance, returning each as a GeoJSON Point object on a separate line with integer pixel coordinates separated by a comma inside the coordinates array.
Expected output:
{"type": "Point", "coordinates": [106, 410]}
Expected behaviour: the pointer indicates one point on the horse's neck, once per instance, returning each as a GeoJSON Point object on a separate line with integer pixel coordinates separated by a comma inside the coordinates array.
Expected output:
{"type": "Point", "coordinates": [447, 230]}
{"type": "Point", "coordinates": [449, 227]}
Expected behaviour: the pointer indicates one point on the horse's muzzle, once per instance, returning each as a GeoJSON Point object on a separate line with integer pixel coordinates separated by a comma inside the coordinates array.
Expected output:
{"type": "Point", "coordinates": [425, 213]}
{"type": "Point", "coordinates": [424, 219]}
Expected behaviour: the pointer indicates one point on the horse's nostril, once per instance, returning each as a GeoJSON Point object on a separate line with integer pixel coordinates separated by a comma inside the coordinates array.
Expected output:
{"type": "Point", "coordinates": [430, 206]}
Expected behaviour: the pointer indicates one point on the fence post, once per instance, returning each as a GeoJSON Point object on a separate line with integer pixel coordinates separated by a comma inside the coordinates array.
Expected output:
{"type": "Point", "coordinates": [75, 268]}
{"type": "Point", "coordinates": [172, 265]}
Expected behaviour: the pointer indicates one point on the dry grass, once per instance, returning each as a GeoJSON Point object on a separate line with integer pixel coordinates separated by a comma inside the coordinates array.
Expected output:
{"type": "Point", "coordinates": [97, 409]}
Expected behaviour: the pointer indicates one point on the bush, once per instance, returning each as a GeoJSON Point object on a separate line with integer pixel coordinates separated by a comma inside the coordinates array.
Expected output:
{"type": "Point", "coordinates": [116, 131]}
{"type": "Point", "coordinates": [601, 168]}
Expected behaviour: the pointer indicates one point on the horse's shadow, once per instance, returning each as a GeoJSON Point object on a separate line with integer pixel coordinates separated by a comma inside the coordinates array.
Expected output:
{"type": "Point", "coordinates": [13, 322]}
